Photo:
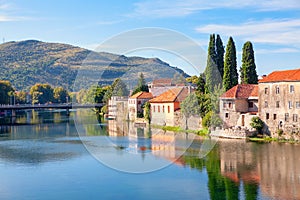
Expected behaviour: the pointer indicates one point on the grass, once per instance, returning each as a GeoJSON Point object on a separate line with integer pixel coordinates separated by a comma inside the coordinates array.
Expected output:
{"type": "Point", "coordinates": [177, 129]}
{"type": "Point", "coordinates": [270, 139]}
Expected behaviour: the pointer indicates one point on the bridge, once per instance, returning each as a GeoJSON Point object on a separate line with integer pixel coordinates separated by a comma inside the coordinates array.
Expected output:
{"type": "Point", "coordinates": [50, 106]}
{"type": "Point", "coordinates": [66, 106]}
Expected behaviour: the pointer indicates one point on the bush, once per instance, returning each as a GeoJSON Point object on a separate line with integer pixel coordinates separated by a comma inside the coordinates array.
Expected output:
{"type": "Point", "coordinates": [211, 120]}
{"type": "Point", "coordinates": [280, 132]}
{"type": "Point", "coordinates": [257, 124]}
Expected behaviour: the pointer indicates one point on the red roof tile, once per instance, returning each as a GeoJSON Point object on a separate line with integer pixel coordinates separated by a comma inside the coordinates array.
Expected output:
{"type": "Point", "coordinates": [142, 95]}
{"type": "Point", "coordinates": [286, 75]}
{"type": "Point", "coordinates": [241, 91]}
{"type": "Point", "coordinates": [172, 95]}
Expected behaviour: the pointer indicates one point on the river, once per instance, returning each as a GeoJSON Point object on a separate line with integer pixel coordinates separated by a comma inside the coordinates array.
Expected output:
{"type": "Point", "coordinates": [48, 155]}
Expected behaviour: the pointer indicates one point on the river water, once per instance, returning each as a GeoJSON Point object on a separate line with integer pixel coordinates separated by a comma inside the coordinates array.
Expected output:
{"type": "Point", "coordinates": [48, 155]}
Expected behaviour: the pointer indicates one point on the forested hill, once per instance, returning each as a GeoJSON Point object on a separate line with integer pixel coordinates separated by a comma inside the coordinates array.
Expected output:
{"type": "Point", "coordinates": [28, 62]}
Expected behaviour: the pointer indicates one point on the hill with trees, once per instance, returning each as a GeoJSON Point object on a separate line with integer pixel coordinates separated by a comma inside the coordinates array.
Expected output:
{"type": "Point", "coordinates": [26, 63]}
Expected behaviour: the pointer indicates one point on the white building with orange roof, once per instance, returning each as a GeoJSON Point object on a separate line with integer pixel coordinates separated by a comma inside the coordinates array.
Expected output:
{"type": "Point", "coordinates": [238, 105]}
{"type": "Point", "coordinates": [279, 100]}
{"type": "Point", "coordinates": [135, 104]}
{"type": "Point", "coordinates": [164, 106]}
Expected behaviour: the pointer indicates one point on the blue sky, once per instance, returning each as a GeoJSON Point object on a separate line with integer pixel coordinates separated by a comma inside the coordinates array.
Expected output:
{"type": "Point", "coordinates": [273, 26]}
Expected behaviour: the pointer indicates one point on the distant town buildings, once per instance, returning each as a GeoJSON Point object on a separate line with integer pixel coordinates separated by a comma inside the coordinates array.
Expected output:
{"type": "Point", "coordinates": [135, 104]}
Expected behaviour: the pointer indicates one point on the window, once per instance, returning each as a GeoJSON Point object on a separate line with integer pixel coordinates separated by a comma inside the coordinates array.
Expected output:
{"type": "Point", "coordinates": [277, 104]}
{"type": "Point", "coordinates": [139, 102]}
{"type": "Point", "coordinates": [163, 109]}
{"type": "Point", "coordinates": [274, 116]}
{"type": "Point", "coordinates": [158, 108]}
{"type": "Point", "coordinates": [226, 115]}
{"type": "Point", "coordinates": [168, 109]}
{"type": "Point", "coordinates": [224, 105]}
{"type": "Point", "coordinates": [286, 117]}
{"type": "Point", "coordinates": [266, 104]}
{"type": "Point", "coordinates": [292, 89]}
{"type": "Point", "coordinates": [230, 105]}
{"type": "Point", "coordinates": [277, 89]}
{"type": "Point", "coordinates": [267, 116]}
{"type": "Point", "coordinates": [153, 108]}
{"type": "Point", "coordinates": [298, 104]}
{"type": "Point", "coordinates": [251, 104]}
{"type": "Point", "coordinates": [266, 90]}
{"type": "Point", "coordinates": [295, 117]}
{"type": "Point", "coordinates": [290, 104]}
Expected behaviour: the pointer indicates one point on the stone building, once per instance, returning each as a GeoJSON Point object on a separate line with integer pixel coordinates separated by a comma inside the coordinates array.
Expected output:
{"type": "Point", "coordinates": [279, 100]}
{"type": "Point", "coordinates": [135, 103]}
{"type": "Point", "coordinates": [117, 107]}
{"type": "Point", "coordinates": [238, 105]}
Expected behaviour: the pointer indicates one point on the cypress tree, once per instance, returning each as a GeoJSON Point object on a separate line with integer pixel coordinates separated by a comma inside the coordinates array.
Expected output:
{"type": "Point", "coordinates": [248, 69]}
{"type": "Point", "coordinates": [220, 55]}
{"type": "Point", "coordinates": [212, 74]}
{"type": "Point", "coordinates": [230, 77]}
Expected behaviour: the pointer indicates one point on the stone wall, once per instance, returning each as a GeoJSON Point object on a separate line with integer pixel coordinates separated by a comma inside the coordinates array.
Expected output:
{"type": "Point", "coordinates": [235, 132]}
{"type": "Point", "coordinates": [192, 123]}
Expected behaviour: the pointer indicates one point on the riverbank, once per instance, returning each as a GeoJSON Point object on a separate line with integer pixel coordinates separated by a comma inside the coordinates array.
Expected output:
{"type": "Point", "coordinates": [177, 129]}
{"type": "Point", "coordinates": [270, 139]}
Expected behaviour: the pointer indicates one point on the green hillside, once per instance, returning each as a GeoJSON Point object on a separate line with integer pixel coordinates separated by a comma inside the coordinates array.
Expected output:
{"type": "Point", "coordinates": [28, 62]}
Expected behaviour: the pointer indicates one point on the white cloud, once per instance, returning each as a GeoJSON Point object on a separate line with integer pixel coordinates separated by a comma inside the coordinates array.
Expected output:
{"type": "Point", "coordinates": [278, 32]}
{"type": "Point", "coordinates": [8, 13]}
{"type": "Point", "coordinates": [178, 8]}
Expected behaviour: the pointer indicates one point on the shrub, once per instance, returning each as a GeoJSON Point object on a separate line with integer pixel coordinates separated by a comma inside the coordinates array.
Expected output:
{"type": "Point", "coordinates": [257, 123]}
{"type": "Point", "coordinates": [280, 132]}
{"type": "Point", "coordinates": [211, 120]}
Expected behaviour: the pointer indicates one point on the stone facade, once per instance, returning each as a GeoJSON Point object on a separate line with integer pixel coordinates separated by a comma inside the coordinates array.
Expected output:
{"type": "Point", "coordinates": [279, 101]}
{"type": "Point", "coordinates": [279, 105]}
{"type": "Point", "coordinates": [239, 105]}
{"type": "Point", "coordinates": [117, 107]}
{"type": "Point", "coordinates": [135, 104]}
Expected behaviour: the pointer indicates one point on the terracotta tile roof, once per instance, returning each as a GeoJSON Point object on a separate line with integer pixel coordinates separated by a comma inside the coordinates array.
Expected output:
{"type": "Point", "coordinates": [241, 91]}
{"type": "Point", "coordinates": [142, 95]}
{"type": "Point", "coordinates": [286, 75]}
{"type": "Point", "coordinates": [162, 82]}
{"type": "Point", "coordinates": [172, 95]}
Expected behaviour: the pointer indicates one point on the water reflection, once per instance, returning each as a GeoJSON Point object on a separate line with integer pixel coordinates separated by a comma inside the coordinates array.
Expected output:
{"type": "Point", "coordinates": [235, 169]}
{"type": "Point", "coordinates": [38, 138]}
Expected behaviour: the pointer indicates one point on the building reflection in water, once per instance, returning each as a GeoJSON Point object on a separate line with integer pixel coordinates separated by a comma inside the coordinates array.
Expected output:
{"type": "Point", "coordinates": [274, 167]}
{"type": "Point", "coordinates": [235, 168]}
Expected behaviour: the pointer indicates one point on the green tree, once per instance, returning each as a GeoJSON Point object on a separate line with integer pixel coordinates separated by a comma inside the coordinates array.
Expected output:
{"type": "Point", "coordinates": [141, 86]}
{"type": "Point", "coordinates": [60, 95]}
{"type": "Point", "coordinates": [190, 107]}
{"type": "Point", "coordinates": [147, 112]}
{"type": "Point", "coordinates": [257, 123]}
{"type": "Point", "coordinates": [41, 93]}
{"type": "Point", "coordinates": [212, 75]}
{"type": "Point", "coordinates": [220, 55]}
{"type": "Point", "coordinates": [251, 191]}
{"type": "Point", "coordinates": [248, 69]}
{"type": "Point", "coordinates": [119, 88]}
{"type": "Point", "coordinates": [21, 97]}
{"type": "Point", "coordinates": [6, 90]}
{"type": "Point", "coordinates": [230, 77]}
{"type": "Point", "coordinates": [201, 88]}
{"type": "Point", "coordinates": [192, 79]}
